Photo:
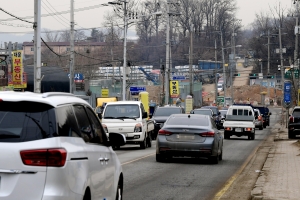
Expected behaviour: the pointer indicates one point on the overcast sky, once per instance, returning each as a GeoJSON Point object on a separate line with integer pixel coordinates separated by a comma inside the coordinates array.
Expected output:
{"type": "Point", "coordinates": [91, 15]}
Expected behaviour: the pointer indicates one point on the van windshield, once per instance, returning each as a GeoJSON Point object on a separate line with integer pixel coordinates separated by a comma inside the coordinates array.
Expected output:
{"type": "Point", "coordinates": [122, 111]}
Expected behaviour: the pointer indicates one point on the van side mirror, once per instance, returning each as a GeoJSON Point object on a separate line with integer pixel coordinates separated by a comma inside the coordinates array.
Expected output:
{"type": "Point", "coordinates": [145, 115]}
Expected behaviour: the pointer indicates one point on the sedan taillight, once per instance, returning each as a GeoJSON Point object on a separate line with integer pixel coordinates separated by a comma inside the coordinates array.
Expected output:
{"type": "Point", "coordinates": [164, 132]}
{"type": "Point", "coordinates": [207, 134]}
{"type": "Point", "coordinates": [291, 119]}
{"type": "Point", "coordinates": [44, 157]}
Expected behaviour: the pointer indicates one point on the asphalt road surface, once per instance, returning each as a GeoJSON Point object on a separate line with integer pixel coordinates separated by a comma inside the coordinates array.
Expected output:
{"type": "Point", "coordinates": [187, 178]}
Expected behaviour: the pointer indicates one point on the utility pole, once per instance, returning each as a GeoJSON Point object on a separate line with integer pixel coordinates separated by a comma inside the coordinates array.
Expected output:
{"type": "Point", "coordinates": [216, 78]}
{"type": "Point", "coordinates": [268, 87]}
{"type": "Point", "coordinates": [72, 48]}
{"type": "Point", "coordinates": [233, 66]}
{"type": "Point", "coordinates": [125, 49]}
{"type": "Point", "coordinates": [191, 62]}
{"type": "Point", "coordinates": [281, 62]}
{"type": "Point", "coordinates": [296, 52]}
{"type": "Point", "coordinates": [224, 69]}
{"type": "Point", "coordinates": [167, 67]}
{"type": "Point", "coordinates": [37, 46]}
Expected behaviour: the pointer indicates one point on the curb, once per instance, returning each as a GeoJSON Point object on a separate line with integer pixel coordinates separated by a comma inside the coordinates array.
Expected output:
{"type": "Point", "coordinates": [257, 191]}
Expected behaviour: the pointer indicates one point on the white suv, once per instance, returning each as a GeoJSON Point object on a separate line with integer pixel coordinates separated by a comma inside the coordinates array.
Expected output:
{"type": "Point", "coordinates": [53, 146]}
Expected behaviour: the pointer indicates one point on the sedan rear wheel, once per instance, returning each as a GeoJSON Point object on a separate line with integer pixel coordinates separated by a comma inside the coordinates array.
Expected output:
{"type": "Point", "coordinates": [221, 154]}
{"type": "Point", "coordinates": [261, 127]}
{"type": "Point", "coordinates": [160, 158]}
{"type": "Point", "coordinates": [226, 135]}
{"type": "Point", "coordinates": [214, 159]}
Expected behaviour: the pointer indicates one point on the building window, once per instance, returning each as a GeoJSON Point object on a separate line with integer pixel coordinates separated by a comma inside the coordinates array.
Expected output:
{"type": "Point", "coordinates": [31, 49]}
{"type": "Point", "coordinates": [68, 48]}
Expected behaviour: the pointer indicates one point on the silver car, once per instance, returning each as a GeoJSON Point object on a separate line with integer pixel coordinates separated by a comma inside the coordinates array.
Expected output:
{"type": "Point", "coordinates": [191, 136]}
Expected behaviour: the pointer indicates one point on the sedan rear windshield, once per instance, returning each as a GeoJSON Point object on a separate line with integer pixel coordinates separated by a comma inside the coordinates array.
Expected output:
{"type": "Point", "coordinates": [26, 121]}
{"type": "Point", "coordinates": [203, 112]}
{"type": "Point", "coordinates": [187, 121]}
{"type": "Point", "coordinates": [166, 111]}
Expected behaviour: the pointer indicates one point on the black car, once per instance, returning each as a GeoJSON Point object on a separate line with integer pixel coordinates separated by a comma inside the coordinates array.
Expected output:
{"type": "Point", "coordinates": [265, 114]}
{"type": "Point", "coordinates": [216, 115]}
{"type": "Point", "coordinates": [294, 123]}
{"type": "Point", "coordinates": [161, 114]}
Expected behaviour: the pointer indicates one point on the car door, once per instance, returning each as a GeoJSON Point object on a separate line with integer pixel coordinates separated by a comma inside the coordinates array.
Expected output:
{"type": "Point", "coordinates": [95, 154]}
{"type": "Point", "coordinates": [106, 152]}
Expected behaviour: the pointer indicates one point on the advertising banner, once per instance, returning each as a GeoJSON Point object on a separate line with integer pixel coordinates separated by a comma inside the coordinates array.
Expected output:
{"type": "Point", "coordinates": [174, 89]}
{"type": "Point", "coordinates": [17, 62]}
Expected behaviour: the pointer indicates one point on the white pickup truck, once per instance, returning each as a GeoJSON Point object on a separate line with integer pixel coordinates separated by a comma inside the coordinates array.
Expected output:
{"type": "Point", "coordinates": [239, 121]}
{"type": "Point", "coordinates": [130, 119]}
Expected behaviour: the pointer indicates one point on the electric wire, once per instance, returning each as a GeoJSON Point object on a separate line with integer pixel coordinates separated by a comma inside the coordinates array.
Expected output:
{"type": "Point", "coordinates": [15, 17]}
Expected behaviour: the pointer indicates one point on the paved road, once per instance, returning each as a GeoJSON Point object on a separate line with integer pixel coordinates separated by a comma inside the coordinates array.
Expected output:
{"type": "Point", "coordinates": [183, 178]}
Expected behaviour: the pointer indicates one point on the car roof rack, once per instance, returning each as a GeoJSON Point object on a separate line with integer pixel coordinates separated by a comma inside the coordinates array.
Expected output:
{"type": "Point", "coordinates": [51, 94]}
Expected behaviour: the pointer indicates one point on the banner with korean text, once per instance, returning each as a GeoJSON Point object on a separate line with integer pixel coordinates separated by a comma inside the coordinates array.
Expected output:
{"type": "Point", "coordinates": [17, 62]}
{"type": "Point", "coordinates": [174, 89]}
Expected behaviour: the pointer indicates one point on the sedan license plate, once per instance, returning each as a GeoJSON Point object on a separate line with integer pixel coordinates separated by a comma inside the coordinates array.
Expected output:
{"type": "Point", "coordinates": [185, 137]}
{"type": "Point", "coordinates": [238, 130]}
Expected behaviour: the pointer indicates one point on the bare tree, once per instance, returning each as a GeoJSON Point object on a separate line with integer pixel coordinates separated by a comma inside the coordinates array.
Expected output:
{"type": "Point", "coordinates": [79, 35]}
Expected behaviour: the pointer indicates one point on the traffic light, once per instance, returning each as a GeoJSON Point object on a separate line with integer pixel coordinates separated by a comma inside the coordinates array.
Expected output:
{"type": "Point", "coordinates": [236, 74]}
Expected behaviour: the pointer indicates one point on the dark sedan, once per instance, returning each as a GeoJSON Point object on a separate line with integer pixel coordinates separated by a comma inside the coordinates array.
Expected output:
{"type": "Point", "coordinates": [189, 135]}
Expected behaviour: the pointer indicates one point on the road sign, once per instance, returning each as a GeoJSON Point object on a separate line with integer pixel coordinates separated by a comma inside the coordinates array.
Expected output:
{"type": "Point", "coordinates": [287, 92]}
{"type": "Point", "coordinates": [135, 90]}
{"type": "Point", "coordinates": [178, 77]}
{"type": "Point", "coordinates": [220, 99]}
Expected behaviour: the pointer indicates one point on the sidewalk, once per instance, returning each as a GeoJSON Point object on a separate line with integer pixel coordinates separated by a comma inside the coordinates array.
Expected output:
{"type": "Point", "coordinates": [280, 175]}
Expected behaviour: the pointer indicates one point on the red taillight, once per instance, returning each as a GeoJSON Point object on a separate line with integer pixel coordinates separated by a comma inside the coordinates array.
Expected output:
{"type": "Point", "coordinates": [44, 157]}
{"type": "Point", "coordinates": [291, 119]}
{"type": "Point", "coordinates": [207, 134]}
{"type": "Point", "coordinates": [164, 132]}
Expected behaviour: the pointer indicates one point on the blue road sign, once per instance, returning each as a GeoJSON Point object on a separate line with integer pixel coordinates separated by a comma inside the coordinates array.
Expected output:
{"type": "Point", "coordinates": [287, 91]}
{"type": "Point", "coordinates": [134, 90]}
{"type": "Point", "coordinates": [179, 77]}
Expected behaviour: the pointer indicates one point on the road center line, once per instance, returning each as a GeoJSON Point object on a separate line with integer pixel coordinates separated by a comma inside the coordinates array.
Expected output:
{"type": "Point", "coordinates": [138, 159]}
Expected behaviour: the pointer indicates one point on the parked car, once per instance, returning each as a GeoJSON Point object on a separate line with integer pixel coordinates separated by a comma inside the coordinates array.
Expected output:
{"type": "Point", "coordinates": [56, 148]}
{"type": "Point", "coordinates": [265, 114]}
{"type": "Point", "coordinates": [187, 135]}
{"type": "Point", "coordinates": [259, 123]}
{"type": "Point", "coordinates": [161, 114]}
{"type": "Point", "coordinates": [223, 116]}
{"type": "Point", "coordinates": [216, 115]}
{"type": "Point", "coordinates": [294, 123]}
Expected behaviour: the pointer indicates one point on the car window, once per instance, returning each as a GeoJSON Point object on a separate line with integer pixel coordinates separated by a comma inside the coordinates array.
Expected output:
{"type": "Point", "coordinates": [85, 127]}
{"type": "Point", "coordinates": [100, 136]}
{"type": "Point", "coordinates": [203, 112]}
{"type": "Point", "coordinates": [187, 121]}
{"type": "Point", "coordinates": [121, 110]}
{"type": "Point", "coordinates": [167, 111]}
{"type": "Point", "coordinates": [66, 122]}
{"type": "Point", "coordinates": [26, 121]}
{"type": "Point", "coordinates": [296, 113]}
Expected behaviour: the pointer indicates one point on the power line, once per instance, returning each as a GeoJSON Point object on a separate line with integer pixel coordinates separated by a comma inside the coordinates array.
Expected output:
{"type": "Point", "coordinates": [52, 14]}
{"type": "Point", "coordinates": [52, 49]}
{"type": "Point", "coordinates": [15, 17]}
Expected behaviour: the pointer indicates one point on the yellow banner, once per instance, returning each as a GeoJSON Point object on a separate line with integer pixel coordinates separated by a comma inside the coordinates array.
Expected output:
{"type": "Point", "coordinates": [104, 93]}
{"type": "Point", "coordinates": [17, 62]}
{"type": "Point", "coordinates": [174, 89]}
